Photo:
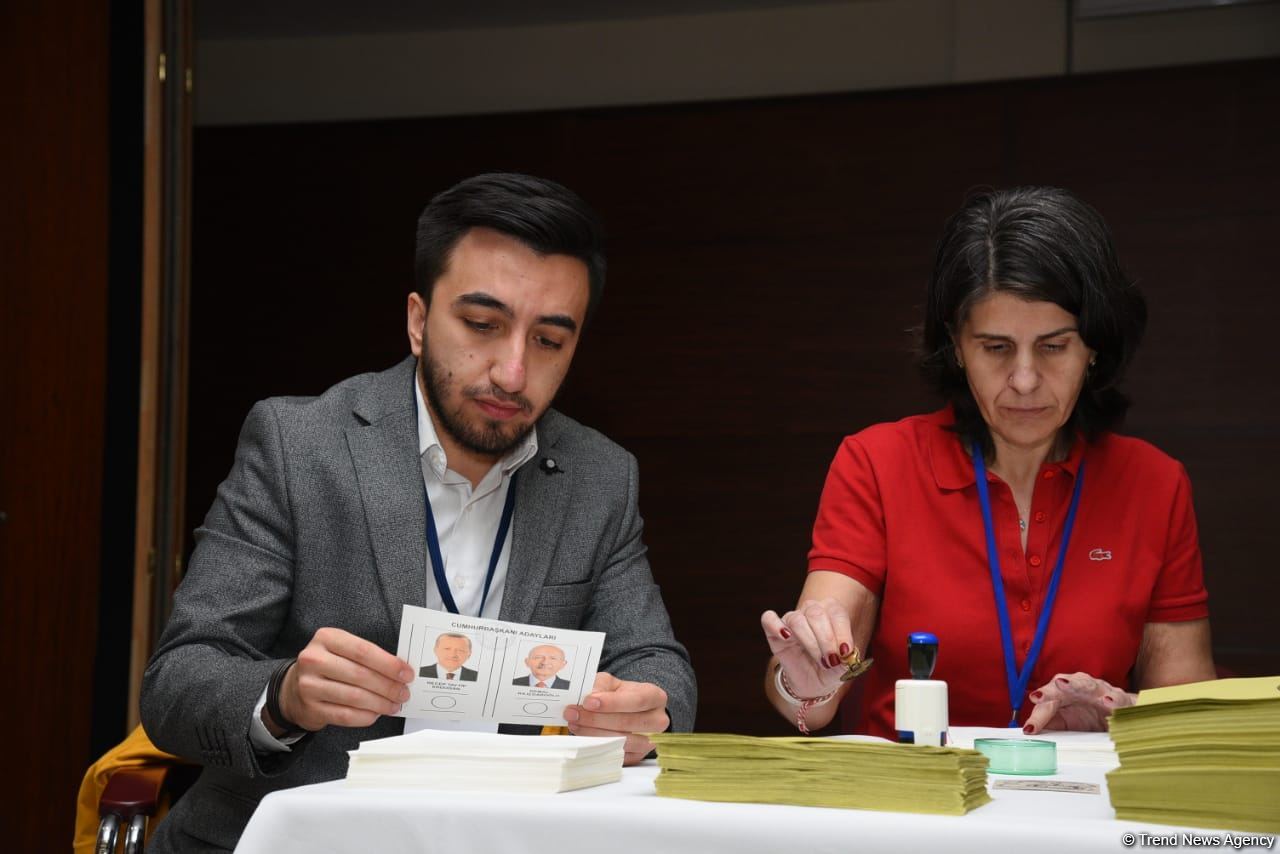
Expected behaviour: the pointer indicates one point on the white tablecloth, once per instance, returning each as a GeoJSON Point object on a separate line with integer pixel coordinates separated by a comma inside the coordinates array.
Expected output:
{"type": "Point", "coordinates": [627, 817]}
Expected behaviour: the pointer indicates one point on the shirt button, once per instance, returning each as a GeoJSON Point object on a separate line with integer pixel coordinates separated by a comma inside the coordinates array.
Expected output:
{"type": "Point", "coordinates": [1048, 475]}
{"type": "Point", "coordinates": [1041, 516]}
{"type": "Point", "coordinates": [1034, 560]}
{"type": "Point", "coordinates": [1026, 604]}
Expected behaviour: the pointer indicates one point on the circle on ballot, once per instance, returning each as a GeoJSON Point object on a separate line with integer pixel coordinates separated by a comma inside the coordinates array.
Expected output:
{"type": "Point", "coordinates": [444, 702]}
{"type": "Point", "coordinates": [535, 708]}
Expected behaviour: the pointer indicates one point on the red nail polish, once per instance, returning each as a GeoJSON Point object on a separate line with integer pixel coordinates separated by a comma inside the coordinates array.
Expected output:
{"type": "Point", "coordinates": [1029, 729]}
{"type": "Point", "coordinates": [834, 659]}
{"type": "Point", "coordinates": [786, 634]}
{"type": "Point", "coordinates": [1036, 695]}
{"type": "Point", "coordinates": [844, 649]}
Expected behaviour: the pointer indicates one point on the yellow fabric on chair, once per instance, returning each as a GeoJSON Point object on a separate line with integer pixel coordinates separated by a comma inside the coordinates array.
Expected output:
{"type": "Point", "coordinates": [135, 751]}
{"type": "Point", "coordinates": [554, 730]}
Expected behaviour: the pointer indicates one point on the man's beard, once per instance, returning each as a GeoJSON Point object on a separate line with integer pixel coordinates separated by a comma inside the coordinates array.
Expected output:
{"type": "Point", "coordinates": [487, 438]}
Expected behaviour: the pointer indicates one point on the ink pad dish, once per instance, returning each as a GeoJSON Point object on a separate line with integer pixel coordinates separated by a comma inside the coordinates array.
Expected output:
{"type": "Point", "coordinates": [1025, 756]}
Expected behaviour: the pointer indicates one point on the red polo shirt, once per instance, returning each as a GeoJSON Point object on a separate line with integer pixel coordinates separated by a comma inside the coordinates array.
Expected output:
{"type": "Point", "coordinates": [900, 514]}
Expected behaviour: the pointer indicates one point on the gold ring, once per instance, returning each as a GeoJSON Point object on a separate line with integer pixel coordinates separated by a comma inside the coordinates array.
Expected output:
{"type": "Point", "coordinates": [855, 665]}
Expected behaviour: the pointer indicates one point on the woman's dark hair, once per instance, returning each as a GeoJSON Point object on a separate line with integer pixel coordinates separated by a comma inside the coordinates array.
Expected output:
{"type": "Point", "coordinates": [543, 215]}
{"type": "Point", "coordinates": [1042, 244]}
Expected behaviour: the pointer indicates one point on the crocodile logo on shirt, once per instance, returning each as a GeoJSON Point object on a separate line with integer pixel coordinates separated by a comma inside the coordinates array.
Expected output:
{"type": "Point", "coordinates": [1100, 554]}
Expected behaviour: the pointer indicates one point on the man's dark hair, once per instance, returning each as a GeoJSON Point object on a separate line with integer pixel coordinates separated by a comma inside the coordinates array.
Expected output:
{"type": "Point", "coordinates": [1043, 244]}
{"type": "Point", "coordinates": [543, 215]}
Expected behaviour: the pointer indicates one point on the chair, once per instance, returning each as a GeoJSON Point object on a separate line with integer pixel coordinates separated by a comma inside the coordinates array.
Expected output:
{"type": "Point", "coordinates": [131, 783]}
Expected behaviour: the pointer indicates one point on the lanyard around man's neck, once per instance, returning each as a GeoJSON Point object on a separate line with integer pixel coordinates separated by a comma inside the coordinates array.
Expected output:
{"type": "Point", "coordinates": [437, 560]}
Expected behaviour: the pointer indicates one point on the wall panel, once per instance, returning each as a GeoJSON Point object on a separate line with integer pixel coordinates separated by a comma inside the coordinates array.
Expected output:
{"type": "Point", "coordinates": [53, 352]}
{"type": "Point", "coordinates": [766, 260]}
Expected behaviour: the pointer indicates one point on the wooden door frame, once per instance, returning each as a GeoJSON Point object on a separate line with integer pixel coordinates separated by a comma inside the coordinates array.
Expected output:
{"type": "Point", "coordinates": [162, 400]}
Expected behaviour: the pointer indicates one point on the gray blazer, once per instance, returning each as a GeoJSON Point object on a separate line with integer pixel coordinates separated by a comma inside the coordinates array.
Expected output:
{"type": "Point", "coordinates": [321, 523]}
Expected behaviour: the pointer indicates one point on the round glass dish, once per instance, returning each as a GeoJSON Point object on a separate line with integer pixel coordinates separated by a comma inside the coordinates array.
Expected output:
{"type": "Point", "coordinates": [1025, 756]}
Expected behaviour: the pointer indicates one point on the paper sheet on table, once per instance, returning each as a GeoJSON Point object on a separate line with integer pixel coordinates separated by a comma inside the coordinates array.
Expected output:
{"type": "Point", "coordinates": [494, 682]}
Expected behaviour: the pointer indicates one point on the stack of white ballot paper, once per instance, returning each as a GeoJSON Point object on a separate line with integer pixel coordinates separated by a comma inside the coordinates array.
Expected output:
{"type": "Point", "coordinates": [475, 761]}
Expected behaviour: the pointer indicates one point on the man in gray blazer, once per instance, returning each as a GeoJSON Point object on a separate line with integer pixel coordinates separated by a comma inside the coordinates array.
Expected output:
{"type": "Point", "coordinates": [400, 487]}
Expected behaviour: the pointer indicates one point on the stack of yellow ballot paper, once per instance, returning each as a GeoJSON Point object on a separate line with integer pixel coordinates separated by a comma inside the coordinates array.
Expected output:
{"type": "Point", "coordinates": [1205, 755]}
{"type": "Point", "coordinates": [821, 772]}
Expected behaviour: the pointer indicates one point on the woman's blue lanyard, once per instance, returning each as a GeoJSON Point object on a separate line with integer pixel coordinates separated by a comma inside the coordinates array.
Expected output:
{"type": "Point", "coordinates": [1018, 681]}
{"type": "Point", "coordinates": [433, 544]}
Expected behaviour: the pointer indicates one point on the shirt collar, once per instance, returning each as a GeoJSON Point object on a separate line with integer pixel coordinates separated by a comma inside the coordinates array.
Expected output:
{"type": "Point", "coordinates": [953, 466]}
{"type": "Point", "coordinates": [430, 449]}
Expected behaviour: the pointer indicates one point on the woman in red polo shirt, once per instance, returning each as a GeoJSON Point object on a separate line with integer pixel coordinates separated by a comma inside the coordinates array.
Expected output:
{"type": "Point", "coordinates": [1076, 573]}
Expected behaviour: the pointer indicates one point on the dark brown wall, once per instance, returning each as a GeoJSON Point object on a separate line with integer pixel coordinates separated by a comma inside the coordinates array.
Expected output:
{"type": "Point", "coordinates": [766, 258]}
{"type": "Point", "coordinates": [53, 345]}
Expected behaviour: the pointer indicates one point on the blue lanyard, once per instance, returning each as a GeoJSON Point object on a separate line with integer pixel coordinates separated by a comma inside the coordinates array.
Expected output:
{"type": "Point", "coordinates": [1018, 681]}
{"type": "Point", "coordinates": [437, 561]}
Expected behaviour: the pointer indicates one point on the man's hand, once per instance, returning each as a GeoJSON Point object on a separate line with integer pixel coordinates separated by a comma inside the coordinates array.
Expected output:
{"type": "Point", "coordinates": [617, 707]}
{"type": "Point", "coordinates": [1074, 701]}
{"type": "Point", "coordinates": [342, 680]}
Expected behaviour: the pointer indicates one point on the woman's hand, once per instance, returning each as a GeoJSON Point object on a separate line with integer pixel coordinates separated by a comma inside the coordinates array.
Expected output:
{"type": "Point", "coordinates": [810, 643]}
{"type": "Point", "coordinates": [835, 615]}
{"type": "Point", "coordinates": [1074, 701]}
{"type": "Point", "coordinates": [1171, 654]}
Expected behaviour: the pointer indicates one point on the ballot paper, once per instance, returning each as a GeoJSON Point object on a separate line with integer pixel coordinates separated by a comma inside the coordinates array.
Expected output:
{"type": "Point", "coordinates": [820, 772]}
{"type": "Point", "coordinates": [473, 669]}
{"type": "Point", "coordinates": [1072, 786]}
{"type": "Point", "coordinates": [486, 762]}
{"type": "Point", "coordinates": [1205, 754]}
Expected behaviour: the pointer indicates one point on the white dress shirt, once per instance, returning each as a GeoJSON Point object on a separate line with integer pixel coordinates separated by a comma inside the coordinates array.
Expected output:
{"type": "Point", "coordinates": [467, 522]}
